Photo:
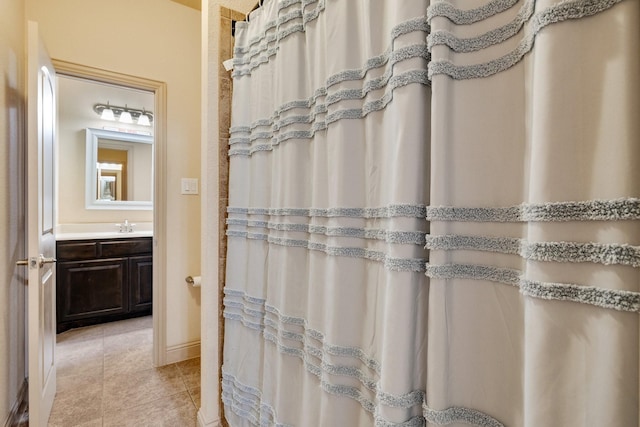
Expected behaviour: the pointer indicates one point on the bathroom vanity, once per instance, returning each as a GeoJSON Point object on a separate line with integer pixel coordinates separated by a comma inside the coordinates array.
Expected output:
{"type": "Point", "coordinates": [104, 269]}
{"type": "Point", "coordinates": [103, 279]}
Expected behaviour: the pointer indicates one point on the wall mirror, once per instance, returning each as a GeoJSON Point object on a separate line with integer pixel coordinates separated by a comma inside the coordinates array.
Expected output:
{"type": "Point", "coordinates": [119, 170]}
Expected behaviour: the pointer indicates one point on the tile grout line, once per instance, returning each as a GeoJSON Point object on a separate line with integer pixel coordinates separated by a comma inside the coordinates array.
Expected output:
{"type": "Point", "coordinates": [104, 373]}
{"type": "Point", "coordinates": [184, 381]}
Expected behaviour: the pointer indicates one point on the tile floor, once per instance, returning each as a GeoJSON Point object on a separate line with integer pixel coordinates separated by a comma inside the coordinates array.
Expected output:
{"type": "Point", "coordinates": [106, 378]}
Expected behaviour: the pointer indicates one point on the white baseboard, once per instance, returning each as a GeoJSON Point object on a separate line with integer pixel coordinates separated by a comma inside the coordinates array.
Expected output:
{"type": "Point", "coordinates": [203, 423]}
{"type": "Point", "coordinates": [178, 353]}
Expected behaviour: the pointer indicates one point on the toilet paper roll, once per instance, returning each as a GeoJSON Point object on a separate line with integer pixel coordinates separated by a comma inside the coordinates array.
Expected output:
{"type": "Point", "coordinates": [194, 281]}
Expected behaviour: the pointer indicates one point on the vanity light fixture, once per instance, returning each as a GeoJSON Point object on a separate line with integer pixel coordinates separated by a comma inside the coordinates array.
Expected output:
{"type": "Point", "coordinates": [124, 114]}
{"type": "Point", "coordinates": [110, 166]}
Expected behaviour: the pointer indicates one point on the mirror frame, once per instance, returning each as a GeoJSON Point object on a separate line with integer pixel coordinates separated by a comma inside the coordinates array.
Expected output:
{"type": "Point", "coordinates": [91, 178]}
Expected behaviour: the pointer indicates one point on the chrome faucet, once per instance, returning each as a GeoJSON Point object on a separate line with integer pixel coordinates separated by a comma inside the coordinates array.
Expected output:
{"type": "Point", "coordinates": [126, 226]}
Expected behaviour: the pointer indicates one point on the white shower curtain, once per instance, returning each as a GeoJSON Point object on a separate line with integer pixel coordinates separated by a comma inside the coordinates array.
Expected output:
{"type": "Point", "coordinates": [523, 162]}
{"type": "Point", "coordinates": [326, 301]}
{"type": "Point", "coordinates": [534, 233]}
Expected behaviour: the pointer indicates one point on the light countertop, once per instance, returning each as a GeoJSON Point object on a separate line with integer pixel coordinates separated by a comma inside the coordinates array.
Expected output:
{"type": "Point", "coordinates": [100, 231]}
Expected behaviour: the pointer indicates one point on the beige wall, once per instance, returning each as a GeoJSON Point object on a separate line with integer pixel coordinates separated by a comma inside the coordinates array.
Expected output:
{"type": "Point", "coordinates": [12, 287]}
{"type": "Point", "coordinates": [158, 40]}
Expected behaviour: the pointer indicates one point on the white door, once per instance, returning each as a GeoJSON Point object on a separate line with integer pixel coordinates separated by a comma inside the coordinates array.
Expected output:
{"type": "Point", "coordinates": [41, 295]}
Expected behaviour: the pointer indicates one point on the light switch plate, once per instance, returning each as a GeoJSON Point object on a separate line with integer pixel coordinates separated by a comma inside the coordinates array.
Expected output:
{"type": "Point", "coordinates": [189, 186]}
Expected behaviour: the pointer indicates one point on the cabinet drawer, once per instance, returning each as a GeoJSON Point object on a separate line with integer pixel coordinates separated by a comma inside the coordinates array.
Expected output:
{"type": "Point", "coordinates": [117, 248]}
{"type": "Point", "coordinates": [76, 250]}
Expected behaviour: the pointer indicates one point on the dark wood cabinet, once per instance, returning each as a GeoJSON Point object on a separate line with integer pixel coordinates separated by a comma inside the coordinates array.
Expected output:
{"type": "Point", "coordinates": [140, 275]}
{"type": "Point", "coordinates": [102, 280]}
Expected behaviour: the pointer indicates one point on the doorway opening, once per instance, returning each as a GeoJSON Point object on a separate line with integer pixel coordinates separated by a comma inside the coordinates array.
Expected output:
{"type": "Point", "coordinates": [98, 195]}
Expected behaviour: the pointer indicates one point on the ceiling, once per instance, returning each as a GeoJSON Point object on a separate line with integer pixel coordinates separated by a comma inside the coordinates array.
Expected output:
{"type": "Point", "coordinates": [194, 4]}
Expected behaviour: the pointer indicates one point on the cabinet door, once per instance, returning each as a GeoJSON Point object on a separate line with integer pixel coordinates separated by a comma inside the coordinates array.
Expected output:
{"type": "Point", "coordinates": [141, 283]}
{"type": "Point", "coordinates": [92, 288]}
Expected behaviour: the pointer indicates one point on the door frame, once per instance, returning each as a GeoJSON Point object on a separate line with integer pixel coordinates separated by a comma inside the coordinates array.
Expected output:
{"type": "Point", "coordinates": [159, 89]}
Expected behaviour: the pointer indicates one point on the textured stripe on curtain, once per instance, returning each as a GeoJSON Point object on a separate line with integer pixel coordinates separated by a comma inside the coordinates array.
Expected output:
{"type": "Point", "coordinates": [534, 233]}
{"type": "Point", "coordinates": [325, 303]}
